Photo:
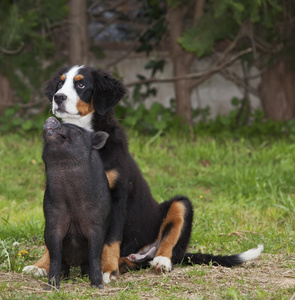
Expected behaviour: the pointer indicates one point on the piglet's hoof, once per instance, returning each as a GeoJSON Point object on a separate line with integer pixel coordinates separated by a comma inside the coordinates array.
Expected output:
{"type": "Point", "coordinates": [51, 288]}
{"type": "Point", "coordinates": [99, 286]}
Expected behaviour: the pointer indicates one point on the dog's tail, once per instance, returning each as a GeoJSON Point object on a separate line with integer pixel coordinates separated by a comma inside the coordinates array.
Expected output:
{"type": "Point", "coordinates": [225, 261]}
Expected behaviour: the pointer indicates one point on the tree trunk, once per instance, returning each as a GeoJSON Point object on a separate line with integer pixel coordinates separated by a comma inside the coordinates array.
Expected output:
{"type": "Point", "coordinates": [277, 90]}
{"type": "Point", "coordinates": [181, 59]}
{"type": "Point", "coordinates": [78, 43]}
{"type": "Point", "coordinates": [7, 96]}
{"type": "Point", "coordinates": [175, 19]}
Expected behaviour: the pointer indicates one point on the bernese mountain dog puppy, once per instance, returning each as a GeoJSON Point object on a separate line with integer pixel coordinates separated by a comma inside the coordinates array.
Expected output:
{"type": "Point", "coordinates": [141, 231]}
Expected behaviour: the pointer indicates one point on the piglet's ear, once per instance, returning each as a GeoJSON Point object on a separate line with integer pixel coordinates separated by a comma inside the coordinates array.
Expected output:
{"type": "Point", "coordinates": [51, 85]}
{"type": "Point", "coordinates": [108, 91]}
{"type": "Point", "coordinates": [99, 139]}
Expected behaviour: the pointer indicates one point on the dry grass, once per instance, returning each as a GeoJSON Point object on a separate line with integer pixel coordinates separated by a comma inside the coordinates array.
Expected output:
{"type": "Point", "coordinates": [269, 277]}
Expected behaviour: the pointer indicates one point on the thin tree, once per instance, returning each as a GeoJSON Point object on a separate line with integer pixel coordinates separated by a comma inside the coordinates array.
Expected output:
{"type": "Point", "coordinates": [78, 33]}
{"type": "Point", "coordinates": [181, 59]}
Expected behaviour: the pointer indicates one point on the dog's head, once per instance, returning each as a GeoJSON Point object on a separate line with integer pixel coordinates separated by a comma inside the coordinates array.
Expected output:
{"type": "Point", "coordinates": [78, 91]}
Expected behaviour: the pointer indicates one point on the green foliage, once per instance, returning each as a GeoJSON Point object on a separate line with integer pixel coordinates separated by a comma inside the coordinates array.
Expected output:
{"type": "Point", "coordinates": [155, 66]}
{"type": "Point", "coordinates": [201, 39]}
{"type": "Point", "coordinates": [26, 26]}
{"type": "Point", "coordinates": [134, 114]}
{"type": "Point", "coordinates": [139, 96]}
{"type": "Point", "coordinates": [12, 120]}
{"type": "Point", "coordinates": [150, 121]}
{"type": "Point", "coordinates": [157, 118]}
{"type": "Point", "coordinates": [9, 257]}
{"type": "Point", "coordinates": [154, 13]}
{"type": "Point", "coordinates": [23, 21]}
{"type": "Point", "coordinates": [7, 119]}
{"type": "Point", "coordinates": [223, 18]}
{"type": "Point", "coordinates": [15, 251]}
{"type": "Point", "coordinates": [258, 127]}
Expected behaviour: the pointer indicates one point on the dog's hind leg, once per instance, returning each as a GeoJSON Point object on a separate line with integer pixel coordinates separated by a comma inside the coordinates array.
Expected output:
{"type": "Point", "coordinates": [174, 233]}
{"type": "Point", "coordinates": [125, 265]}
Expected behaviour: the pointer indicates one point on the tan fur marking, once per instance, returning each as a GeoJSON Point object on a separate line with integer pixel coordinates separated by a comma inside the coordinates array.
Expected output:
{"type": "Point", "coordinates": [44, 261]}
{"type": "Point", "coordinates": [175, 216]}
{"type": "Point", "coordinates": [110, 258]}
{"type": "Point", "coordinates": [78, 77]}
{"type": "Point", "coordinates": [63, 77]}
{"type": "Point", "coordinates": [112, 176]}
{"type": "Point", "coordinates": [126, 265]}
{"type": "Point", "coordinates": [84, 108]}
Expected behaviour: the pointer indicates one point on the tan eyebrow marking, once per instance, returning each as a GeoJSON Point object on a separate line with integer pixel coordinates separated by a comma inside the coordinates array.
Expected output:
{"type": "Point", "coordinates": [78, 77]}
{"type": "Point", "coordinates": [63, 77]}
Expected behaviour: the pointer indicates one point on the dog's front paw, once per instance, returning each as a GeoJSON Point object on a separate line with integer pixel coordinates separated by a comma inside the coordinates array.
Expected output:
{"type": "Point", "coordinates": [161, 264]}
{"type": "Point", "coordinates": [38, 272]}
{"type": "Point", "coordinates": [108, 277]}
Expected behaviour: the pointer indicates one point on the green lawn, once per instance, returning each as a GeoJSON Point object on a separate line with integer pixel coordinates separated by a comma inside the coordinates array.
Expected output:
{"type": "Point", "coordinates": [242, 192]}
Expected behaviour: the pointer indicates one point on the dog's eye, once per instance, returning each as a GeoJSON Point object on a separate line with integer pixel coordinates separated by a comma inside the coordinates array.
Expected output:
{"type": "Point", "coordinates": [60, 84]}
{"type": "Point", "coordinates": [80, 85]}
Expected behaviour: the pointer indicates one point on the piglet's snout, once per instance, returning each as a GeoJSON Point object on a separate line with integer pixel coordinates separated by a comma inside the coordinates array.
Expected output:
{"type": "Point", "coordinates": [51, 126]}
{"type": "Point", "coordinates": [51, 123]}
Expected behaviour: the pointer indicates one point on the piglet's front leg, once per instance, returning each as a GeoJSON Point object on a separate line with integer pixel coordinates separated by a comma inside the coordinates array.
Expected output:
{"type": "Point", "coordinates": [55, 268]}
{"type": "Point", "coordinates": [95, 250]}
{"type": "Point", "coordinates": [53, 242]}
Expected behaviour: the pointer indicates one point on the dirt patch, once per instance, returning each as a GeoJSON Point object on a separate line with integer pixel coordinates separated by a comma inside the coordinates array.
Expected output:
{"type": "Point", "coordinates": [268, 275]}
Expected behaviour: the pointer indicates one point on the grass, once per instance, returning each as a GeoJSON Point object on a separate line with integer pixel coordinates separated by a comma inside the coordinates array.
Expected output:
{"type": "Point", "coordinates": [242, 192]}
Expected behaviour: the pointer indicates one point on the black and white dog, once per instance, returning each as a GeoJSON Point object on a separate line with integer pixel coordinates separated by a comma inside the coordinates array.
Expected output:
{"type": "Point", "coordinates": [141, 229]}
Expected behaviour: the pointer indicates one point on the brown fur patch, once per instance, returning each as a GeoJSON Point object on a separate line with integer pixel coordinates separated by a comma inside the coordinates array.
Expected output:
{"type": "Point", "coordinates": [78, 77]}
{"type": "Point", "coordinates": [63, 77]}
{"type": "Point", "coordinates": [112, 176]}
{"type": "Point", "coordinates": [110, 258]}
{"type": "Point", "coordinates": [84, 108]}
{"type": "Point", "coordinates": [44, 261]}
{"type": "Point", "coordinates": [174, 220]}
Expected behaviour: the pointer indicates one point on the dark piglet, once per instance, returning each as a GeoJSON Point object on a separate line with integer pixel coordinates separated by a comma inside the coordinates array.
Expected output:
{"type": "Point", "coordinates": [77, 200]}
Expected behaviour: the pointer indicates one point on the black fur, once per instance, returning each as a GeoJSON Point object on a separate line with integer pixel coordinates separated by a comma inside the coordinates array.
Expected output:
{"type": "Point", "coordinates": [107, 89]}
{"type": "Point", "coordinates": [136, 217]}
{"type": "Point", "coordinates": [215, 260]}
{"type": "Point", "coordinates": [77, 201]}
{"type": "Point", "coordinates": [51, 85]}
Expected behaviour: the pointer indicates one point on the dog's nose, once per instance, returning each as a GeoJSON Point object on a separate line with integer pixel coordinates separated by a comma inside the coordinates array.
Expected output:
{"type": "Point", "coordinates": [59, 98]}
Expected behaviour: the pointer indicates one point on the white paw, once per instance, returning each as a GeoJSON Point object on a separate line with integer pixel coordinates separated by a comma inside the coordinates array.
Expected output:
{"type": "Point", "coordinates": [38, 272]}
{"type": "Point", "coordinates": [107, 277]}
{"type": "Point", "coordinates": [161, 263]}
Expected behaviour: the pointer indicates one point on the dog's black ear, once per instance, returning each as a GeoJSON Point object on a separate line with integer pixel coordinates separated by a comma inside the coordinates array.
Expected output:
{"type": "Point", "coordinates": [99, 139]}
{"type": "Point", "coordinates": [108, 91]}
{"type": "Point", "coordinates": [51, 85]}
